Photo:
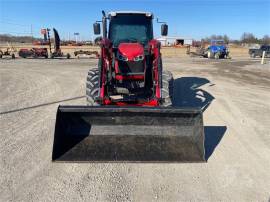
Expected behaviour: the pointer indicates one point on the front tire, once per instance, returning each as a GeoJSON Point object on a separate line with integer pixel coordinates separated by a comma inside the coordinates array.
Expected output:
{"type": "Point", "coordinates": [167, 88]}
{"type": "Point", "coordinates": [209, 55]}
{"type": "Point", "coordinates": [217, 55]}
{"type": "Point", "coordinates": [92, 87]}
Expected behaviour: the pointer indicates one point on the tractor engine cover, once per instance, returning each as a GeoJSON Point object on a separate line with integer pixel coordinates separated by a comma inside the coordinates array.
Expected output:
{"type": "Point", "coordinates": [130, 61]}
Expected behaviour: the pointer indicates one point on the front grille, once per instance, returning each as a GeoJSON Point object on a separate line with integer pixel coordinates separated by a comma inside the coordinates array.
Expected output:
{"type": "Point", "coordinates": [131, 67]}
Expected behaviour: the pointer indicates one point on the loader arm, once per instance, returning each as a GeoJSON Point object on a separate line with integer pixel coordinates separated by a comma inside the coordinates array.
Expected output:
{"type": "Point", "coordinates": [104, 67]}
{"type": "Point", "coordinates": [154, 50]}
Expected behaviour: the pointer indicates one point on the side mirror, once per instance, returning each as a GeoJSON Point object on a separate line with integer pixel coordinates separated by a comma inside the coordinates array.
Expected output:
{"type": "Point", "coordinates": [96, 28]}
{"type": "Point", "coordinates": [164, 30]}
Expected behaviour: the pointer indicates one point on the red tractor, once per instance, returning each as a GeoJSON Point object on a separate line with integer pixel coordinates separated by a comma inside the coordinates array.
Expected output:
{"type": "Point", "coordinates": [129, 116]}
{"type": "Point", "coordinates": [130, 68]}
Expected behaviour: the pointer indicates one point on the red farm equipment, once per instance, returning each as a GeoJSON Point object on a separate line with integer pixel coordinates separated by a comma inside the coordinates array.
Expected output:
{"type": "Point", "coordinates": [33, 53]}
{"type": "Point", "coordinates": [43, 52]}
{"type": "Point", "coordinates": [130, 115]}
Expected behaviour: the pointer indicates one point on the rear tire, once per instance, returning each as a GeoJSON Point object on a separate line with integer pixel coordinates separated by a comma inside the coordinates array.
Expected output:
{"type": "Point", "coordinates": [92, 87]}
{"type": "Point", "coordinates": [217, 55]}
{"type": "Point", "coordinates": [209, 55]}
{"type": "Point", "coordinates": [167, 88]}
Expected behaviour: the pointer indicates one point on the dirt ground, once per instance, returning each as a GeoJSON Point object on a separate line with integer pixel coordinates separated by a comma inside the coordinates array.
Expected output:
{"type": "Point", "coordinates": [235, 96]}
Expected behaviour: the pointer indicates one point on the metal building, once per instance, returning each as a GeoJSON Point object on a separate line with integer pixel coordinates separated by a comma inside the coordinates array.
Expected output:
{"type": "Point", "coordinates": [175, 41]}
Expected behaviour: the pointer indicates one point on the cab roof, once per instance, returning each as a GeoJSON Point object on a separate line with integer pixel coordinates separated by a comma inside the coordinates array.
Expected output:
{"type": "Point", "coordinates": [114, 13]}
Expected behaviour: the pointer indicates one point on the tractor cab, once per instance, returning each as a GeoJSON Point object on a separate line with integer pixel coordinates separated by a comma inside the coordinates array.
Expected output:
{"type": "Point", "coordinates": [218, 45]}
{"type": "Point", "coordinates": [130, 27]}
{"type": "Point", "coordinates": [133, 52]}
{"type": "Point", "coordinates": [217, 42]}
{"type": "Point", "coordinates": [130, 34]}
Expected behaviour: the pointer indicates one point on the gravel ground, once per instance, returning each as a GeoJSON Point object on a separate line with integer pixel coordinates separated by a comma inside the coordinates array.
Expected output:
{"type": "Point", "coordinates": [235, 96]}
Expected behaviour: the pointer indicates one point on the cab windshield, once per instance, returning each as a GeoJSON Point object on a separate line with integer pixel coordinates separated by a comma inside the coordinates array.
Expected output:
{"type": "Point", "coordinates": [130, 28]}
{"type": "Point", "coordinates": [217, 42]}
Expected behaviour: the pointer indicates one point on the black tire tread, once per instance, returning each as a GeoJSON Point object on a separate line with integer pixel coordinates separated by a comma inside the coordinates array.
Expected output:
{"type": "Point", "coordinates": [167, 88]}
{"type": "Point", "coordinates": [92, 86]}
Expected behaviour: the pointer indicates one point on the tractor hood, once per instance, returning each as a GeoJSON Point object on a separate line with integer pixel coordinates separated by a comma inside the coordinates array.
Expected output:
{"type": "Point", "coordinates": [131, 50]}
{"type": "Point", "coordinates": [218, 48]}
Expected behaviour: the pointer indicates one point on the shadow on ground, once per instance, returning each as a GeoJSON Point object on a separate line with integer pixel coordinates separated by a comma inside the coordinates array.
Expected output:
{"type": "Point", "coordinates": [187, 93]}
{"type": "Point", "coordinates": [41, 105]}
{"type": "Point", "coordinates": [213, 136]}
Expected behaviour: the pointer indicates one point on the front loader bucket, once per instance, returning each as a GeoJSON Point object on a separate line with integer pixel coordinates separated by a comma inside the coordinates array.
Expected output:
{"type": "Point", "coordinates": [134, 134]}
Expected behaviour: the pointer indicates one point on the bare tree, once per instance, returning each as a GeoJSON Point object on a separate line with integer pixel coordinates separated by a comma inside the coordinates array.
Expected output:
{"type": "Point", "coordinates": [20, 39]}
{"type": "Point", "coordinates": [226, 38]}
{"type": "Point", "coordinates": [266, 39]}
{"type": "Point", "coordinates": [217, 37]}
{"type": "Point", "coordinates": [248, 38]}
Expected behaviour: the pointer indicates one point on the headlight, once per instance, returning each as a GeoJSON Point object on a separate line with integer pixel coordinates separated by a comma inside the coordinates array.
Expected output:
{"type": "Point", "coordinates": [122, 57]}
{"type": "Point", "coordinates": [139, 58]}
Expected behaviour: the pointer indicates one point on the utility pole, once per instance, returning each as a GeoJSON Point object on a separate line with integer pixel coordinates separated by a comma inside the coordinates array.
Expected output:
{"type": "Point", "coordinates": [31, 30]}
{"type": "Point", "coordinates": [49, 38]}
{"type": "Point", "coordinates": [76, 34]}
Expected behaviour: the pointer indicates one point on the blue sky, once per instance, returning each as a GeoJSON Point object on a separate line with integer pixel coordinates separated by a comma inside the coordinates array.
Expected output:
{"type": "Point", "coordinates": [188, 18]}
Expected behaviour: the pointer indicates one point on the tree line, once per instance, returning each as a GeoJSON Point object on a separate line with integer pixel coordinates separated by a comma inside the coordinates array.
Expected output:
{"type": "Point", "coordinates": [18, 39]}
{"type": "Point", "coordinates": [246, 37]}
